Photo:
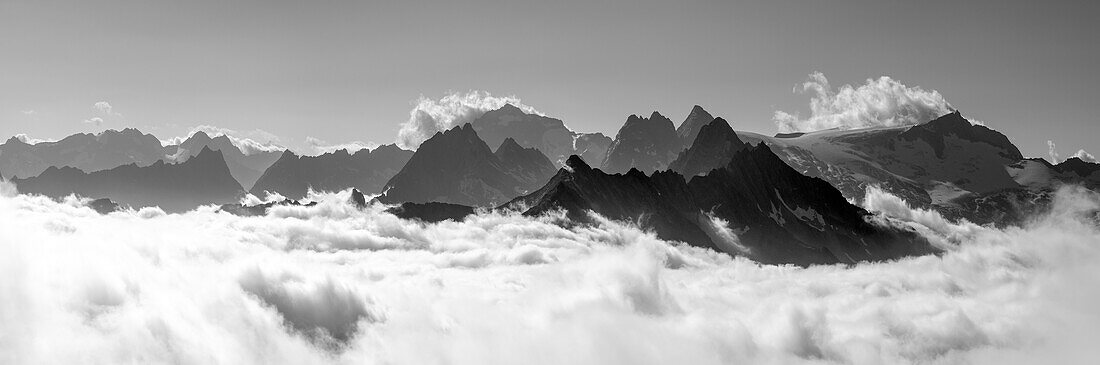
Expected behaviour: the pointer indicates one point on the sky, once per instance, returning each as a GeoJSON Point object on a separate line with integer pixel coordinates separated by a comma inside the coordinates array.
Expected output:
{"type": "Point", "coordinates": [336, 71]}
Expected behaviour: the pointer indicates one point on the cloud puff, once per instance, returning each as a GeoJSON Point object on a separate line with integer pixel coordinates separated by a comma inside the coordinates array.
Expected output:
{"type": "Point", "coordinates": [335, 284]}
{"type": "Point", "coordinates": [1084, 156]}
{"type": "Point", "coordinates": [878, 102]}
{"type": "Point", "coordinates": [316, 146]}
{"type": "Point", "coordinates": [430, 116]}
{"type": "Point", "coordinates": [103, 108]}
{"type": "Point", "coordinates": [28, 140]}
{"type": "Point", "coordinates": [96, 121]}
{"type": "Point", "coordinates": [29, 112]}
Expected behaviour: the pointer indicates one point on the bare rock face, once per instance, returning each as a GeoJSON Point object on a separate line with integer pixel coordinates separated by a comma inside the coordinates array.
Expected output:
{"type": "Point", "coordinates": [457, 167]}
{"type": "Point", "coordinates": [647, 144]}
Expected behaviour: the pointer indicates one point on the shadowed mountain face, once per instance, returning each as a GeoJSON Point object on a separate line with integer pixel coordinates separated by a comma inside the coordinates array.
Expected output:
{"type": "Point", "coordinates": [689, 129]}
{"type": "Point", "coordinates": [528, 165]}
{"type": "Point", "coordinates": [778, 215]}
{"type": "Point", "coordinates": [457, 167]}
{"type": "Point", "coordinates": [647, 144]}
{"type": "Point", "coordinates": [87, 152]}
{"type": "Point", "coordinates": [549, 135]}
{"type": "Point", "coordinates": [203, 179]}
{"type": "Point", "coordinates": [714, 146]}
{"type": "Point", "coordinates": [366, 170]}
{"type": "Point", "coordinates": [245, 168]}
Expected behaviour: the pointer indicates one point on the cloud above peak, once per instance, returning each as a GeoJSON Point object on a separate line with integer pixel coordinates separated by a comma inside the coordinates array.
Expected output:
{"type": "Point", "coordinates": [1085, 156]}
{"type": "Point", "coordinates": [429, 116]}
{"type": "Point", "coordinates": [880, 102]}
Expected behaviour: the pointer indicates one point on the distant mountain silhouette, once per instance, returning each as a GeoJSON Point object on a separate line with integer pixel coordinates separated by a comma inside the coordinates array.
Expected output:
{"type": "Point", "coordinates": [367, 170]}
{"type": "Point", "coordinates": [689, 129]}
{"type": "Point", "coordinates": [87, 152]}
{"type": "Point", "coordinates": [457, 167]}
{"type": "Point", "coordinates": [245, 168]}
{"type": "Point", "coordinates": [111, 148]}
{"type": "Point", "coordinates": [203, 179]}
{"type": "Point", "coordinates": [714, 146]}
{"type": "Point", "coordinates": [779, 215]}
{"type": "Point", "coordinates": [549, 135]}
{"type": "Point", "coordinates": [647, 144]}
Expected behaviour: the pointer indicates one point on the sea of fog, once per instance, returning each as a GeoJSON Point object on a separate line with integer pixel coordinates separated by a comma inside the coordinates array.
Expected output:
{"type": "Point", "coordinates": [334, 284]}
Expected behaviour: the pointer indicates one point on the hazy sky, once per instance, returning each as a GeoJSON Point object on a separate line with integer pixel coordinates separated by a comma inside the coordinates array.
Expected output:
{"type": "Point", "coordinates": [341, 71]}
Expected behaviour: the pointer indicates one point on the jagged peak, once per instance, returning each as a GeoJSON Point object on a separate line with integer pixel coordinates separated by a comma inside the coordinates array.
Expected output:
{"type": "Point", "coordinates": [576, 163]}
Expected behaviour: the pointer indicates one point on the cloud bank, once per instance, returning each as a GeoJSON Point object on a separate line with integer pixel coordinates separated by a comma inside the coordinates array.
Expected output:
{"type": "Point", "coordinates": [877, 103]}
{"type": "Point", "coordinates": [333, 284]}
{"type": "Point", "coordinates": [430, 116]}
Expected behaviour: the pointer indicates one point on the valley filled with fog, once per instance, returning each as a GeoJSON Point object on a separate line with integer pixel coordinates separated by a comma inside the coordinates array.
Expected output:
{"type": "Point", "coordinates": [333, 283]}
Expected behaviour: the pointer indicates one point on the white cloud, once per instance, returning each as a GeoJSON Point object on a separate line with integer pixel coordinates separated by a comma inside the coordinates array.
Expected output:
{"type": "Point", "coordinates": [316, 146]}
{"type": "Point", "coordinates": [96, 121]}
{"type": "Point", "coordinates": [1084, 156]}
{"type": "Point", "coordinates": [29, 112]}
{"type": "Point", "coordinates": [103, 108]}
{"type": "Point", "coordinates": [878, 102]}
{"type": "Point", "coordinates": [430, 116]}
{"type": "Point", "coordinates": [1052, 151]}
{"type": "Point", "coordinates": [333, 284]}
{"type": "Point", "coordinates": [28, 140]}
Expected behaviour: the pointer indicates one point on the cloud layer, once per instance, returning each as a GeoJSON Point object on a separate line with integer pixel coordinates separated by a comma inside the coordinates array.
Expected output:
{"type": "Point", "coordinates": [876, 103]}
{"type": "Point", "coordinates": [430, 116]}
{"type": "Point", "coordinates": [333, 284]}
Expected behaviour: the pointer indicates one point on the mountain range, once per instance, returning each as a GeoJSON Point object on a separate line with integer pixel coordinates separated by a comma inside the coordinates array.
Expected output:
{"type": "Point", "coordinates": [202, 179]}
{"type": "Point", "coordinates": [111, 148]}
{"type": "Point", "coordinates": [367, 170]}
{"type": "Point", "coordinates": [788, 198]}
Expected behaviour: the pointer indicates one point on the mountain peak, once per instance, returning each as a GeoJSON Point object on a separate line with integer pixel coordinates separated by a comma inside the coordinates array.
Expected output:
{"type": "Point", "coordinates": [713, 147]}
{"type": "Point", "coordinates": [576, 163]}
{"type": "Point", "coordinates": [509, 108]}
{"type": "Point", "coordinates": [934, 132]}
{"type": "Point", "coordinates": [509, 146]}
{"type": "Point", "coordinates": [691, 125]}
